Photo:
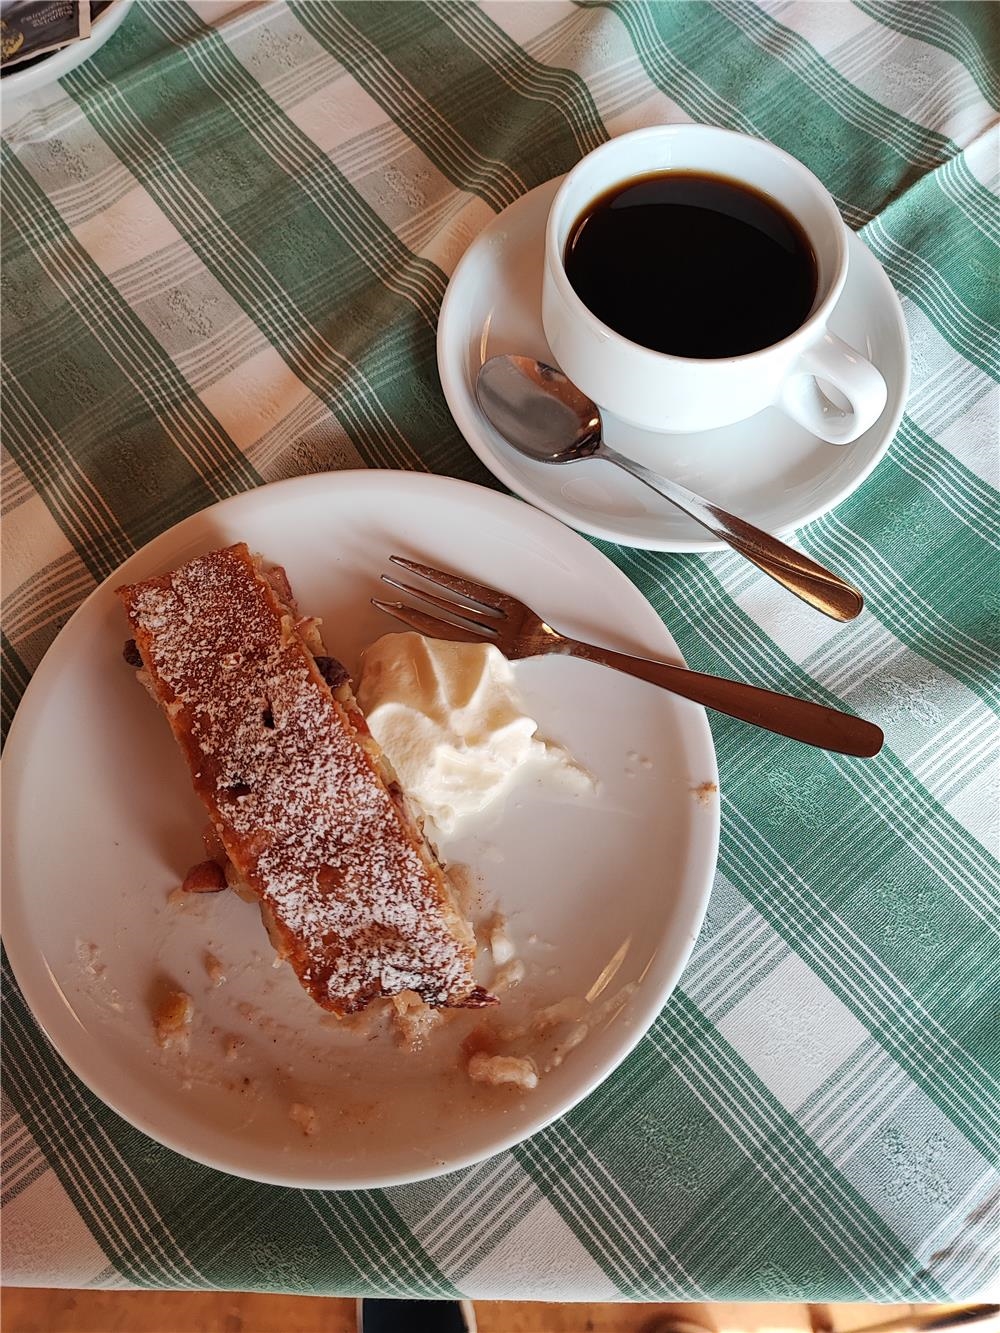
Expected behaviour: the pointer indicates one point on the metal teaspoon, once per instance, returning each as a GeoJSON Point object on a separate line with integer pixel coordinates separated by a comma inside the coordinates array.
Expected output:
{"type": "Point", "coordinates": [542, 415]}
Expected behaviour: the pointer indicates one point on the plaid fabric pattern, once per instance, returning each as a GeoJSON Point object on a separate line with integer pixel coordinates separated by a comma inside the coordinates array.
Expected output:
{"type": "Point", "coordinates": [225, 242]}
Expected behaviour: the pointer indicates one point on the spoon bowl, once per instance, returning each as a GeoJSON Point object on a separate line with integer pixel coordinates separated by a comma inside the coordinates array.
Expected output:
{"type": "Point", "coordinates": [544, 416]}
{"type": "Point", "coordinates": [538, 410]}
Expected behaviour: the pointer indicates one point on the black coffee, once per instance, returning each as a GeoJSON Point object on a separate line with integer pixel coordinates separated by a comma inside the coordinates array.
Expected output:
{"type": "Point", "coordinates": [693, 265]}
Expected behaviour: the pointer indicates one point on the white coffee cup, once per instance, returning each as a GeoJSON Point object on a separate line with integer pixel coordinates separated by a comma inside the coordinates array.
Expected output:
{"type": "Point", "coordinates": [661, 392]}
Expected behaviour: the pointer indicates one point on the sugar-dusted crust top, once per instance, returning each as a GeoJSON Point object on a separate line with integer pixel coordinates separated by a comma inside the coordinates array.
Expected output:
{"type": "Point", "coordinates": [299, 796]}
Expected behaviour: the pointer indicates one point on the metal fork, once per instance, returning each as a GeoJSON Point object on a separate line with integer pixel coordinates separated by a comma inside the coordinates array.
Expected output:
{"type": "Point", "coordinates": [477, 613]}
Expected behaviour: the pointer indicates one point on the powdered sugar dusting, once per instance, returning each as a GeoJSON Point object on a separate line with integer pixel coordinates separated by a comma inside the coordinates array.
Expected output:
{"type": "Point", "coordinates": [301, 809]}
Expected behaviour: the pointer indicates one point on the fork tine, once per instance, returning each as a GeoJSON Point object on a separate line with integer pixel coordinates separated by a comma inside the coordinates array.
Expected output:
{"type": "Point", "coordinates": [453, 608]}
{"type": "Point", "coordinates": [433, 627]}
{"type": "Point", "coordinates": [490, 599]}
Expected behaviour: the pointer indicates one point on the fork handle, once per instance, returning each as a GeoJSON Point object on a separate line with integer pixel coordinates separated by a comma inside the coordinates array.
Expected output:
{"type": "Point", "coordinates": [798, 719]}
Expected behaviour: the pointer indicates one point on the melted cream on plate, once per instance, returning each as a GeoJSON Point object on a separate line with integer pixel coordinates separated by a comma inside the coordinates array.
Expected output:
{"type": "Point", "coordinates": [454, 727]}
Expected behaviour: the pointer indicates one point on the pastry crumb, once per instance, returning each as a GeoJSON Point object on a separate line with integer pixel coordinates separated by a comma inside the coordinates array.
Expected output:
{"type": "Point", "coordinates": [496, 1070]}
{"type": "Point", "coordinates": [172, 1019]}
{"type": "Point", "coordinates": [413, 1019]}
{"type": "Point", "coordinates": [96, 976]}
{"type": "Point", "coordinates": [703, 794]}
{"type": "Point", "coordinates": [305, 1117]}
{"type": "Point", "coordinates": [214, 968]}
{"type": "Point", "coordinates": [89, 955]}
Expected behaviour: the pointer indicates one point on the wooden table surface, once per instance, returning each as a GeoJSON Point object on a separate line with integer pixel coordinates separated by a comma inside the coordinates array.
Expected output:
{"type": "Point", "coordinates": [31, 1310]}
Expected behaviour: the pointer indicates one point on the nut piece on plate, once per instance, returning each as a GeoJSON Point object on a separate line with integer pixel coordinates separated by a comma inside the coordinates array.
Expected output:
{"type": "Point", "coordinates": [516, 1070]}
{"type": "Point", "coordinates": [205, 877]}
{"type": "Point", "coordinates": [215, 969]}
{"type": "Point", "coordinates": [172, 1019]}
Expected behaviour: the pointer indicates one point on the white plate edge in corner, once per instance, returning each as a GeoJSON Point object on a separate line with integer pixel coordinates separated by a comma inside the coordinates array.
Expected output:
{"type": "Point", "coordinates": [28, 961]}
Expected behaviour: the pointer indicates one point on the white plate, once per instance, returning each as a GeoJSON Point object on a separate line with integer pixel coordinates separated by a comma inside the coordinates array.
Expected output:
{"type": "Point", "coordinates": [101, 825]}
{"type": "Point", "coordinates": [767, 469]}
{"type": "Point", "coordinates": [20, 82]}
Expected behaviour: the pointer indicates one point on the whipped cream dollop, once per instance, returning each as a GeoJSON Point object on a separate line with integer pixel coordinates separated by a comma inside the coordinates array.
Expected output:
{"type": "Point", "coordinates": [451, 721]}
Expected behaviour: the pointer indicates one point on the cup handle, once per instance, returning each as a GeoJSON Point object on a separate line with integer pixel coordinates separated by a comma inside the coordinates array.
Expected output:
{"type": "Point", "coordinates": [832, 360]}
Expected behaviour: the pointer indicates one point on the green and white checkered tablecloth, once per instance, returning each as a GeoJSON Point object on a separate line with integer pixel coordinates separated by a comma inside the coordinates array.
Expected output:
{"type": "Point", "coordinates": [226, 238]}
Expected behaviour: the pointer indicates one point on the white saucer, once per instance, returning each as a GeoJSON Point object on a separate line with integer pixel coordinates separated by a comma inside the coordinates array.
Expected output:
{"type": "Point", "coordinates": [768, 469]}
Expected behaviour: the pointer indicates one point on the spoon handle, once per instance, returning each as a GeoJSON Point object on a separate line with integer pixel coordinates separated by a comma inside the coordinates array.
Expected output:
{"type": "Point", "coordinates": [821, 588]}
